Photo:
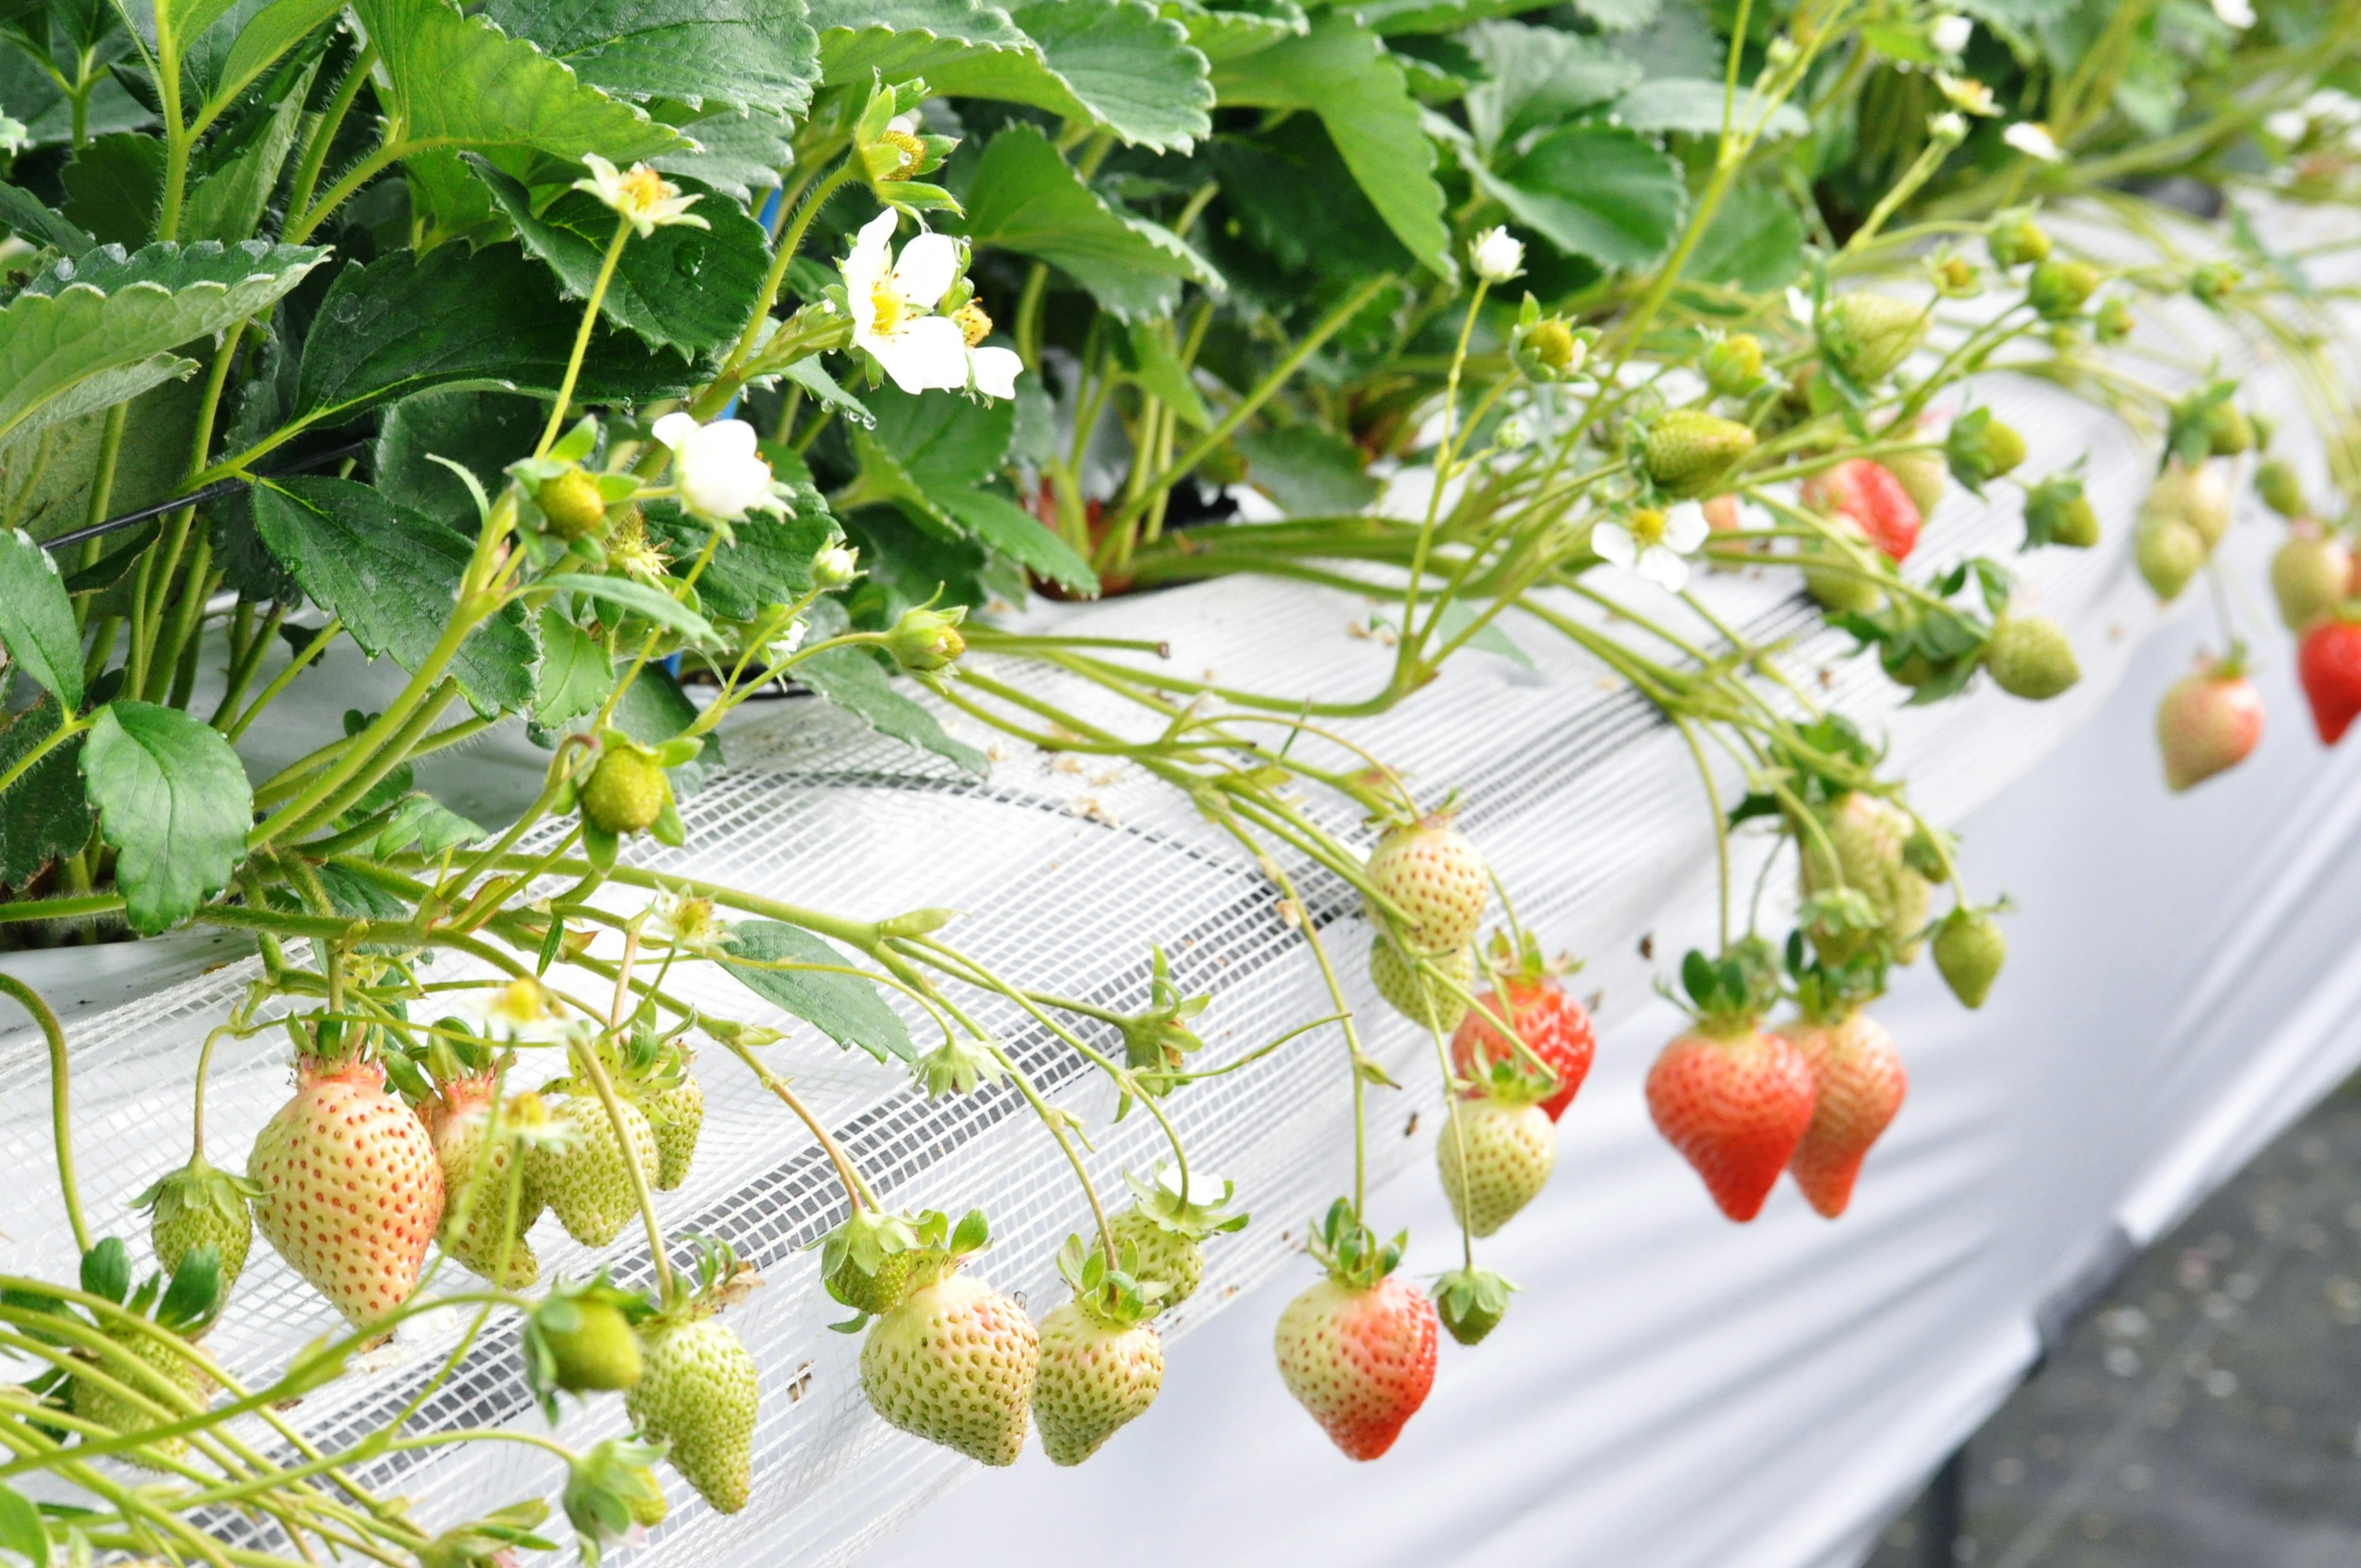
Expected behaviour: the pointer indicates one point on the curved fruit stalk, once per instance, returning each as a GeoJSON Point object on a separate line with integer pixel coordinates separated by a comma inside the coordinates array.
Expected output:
{"type": "Point", "coordinates": [351, 1190]}
{"type": "Point", "coordinates": [457, 1118]}
{"type": "Point", "coordinates": [2207, 723]}
{"type": "Point", "coordinates": [1735, 1101]}
{"type": "Point", "coordinates": [1357, 1349]}
{"type": "Point", "coordinates": [696, 1392]}
{"type": "Point", "coordinates": [1858, 1084]}
{"type": "Point", "coordinates": [1411, 993]}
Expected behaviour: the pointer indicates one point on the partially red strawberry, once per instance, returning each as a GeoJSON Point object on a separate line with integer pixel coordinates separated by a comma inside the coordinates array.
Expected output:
{"type": "Point", "coordinates": [351, 1190]}
{"type": "Point", "coordinates": [1858, 1084]}
{"type": "Point", "coordinates": [2329, 664]}
{"type": "Point", "coordinates": [1554, 1026]}
{"type": "Point", "coordinates": [1733, 1100]}
{"type": "Point", "coordinates": [2207, 723]}
{"type": "Point", "coordinates": [1872, 496]}
{"type": "Point", "coordinates": [1357, 1349]}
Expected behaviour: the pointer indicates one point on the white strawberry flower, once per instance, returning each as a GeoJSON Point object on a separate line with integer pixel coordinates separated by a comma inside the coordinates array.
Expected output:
{"type": "Point", "coordinates": [522, 1012]}
{"type": "Point", "coordinates": [1799, 305]}
{"type": "Point", "coordinates": [2238, 14]}
{"type": "Point", "coordinates": [1497, 256]}
{"type": "Point", "coordinates": [783, 647]}
{"type": "Point", "coordinates": [649, 200]}
{"type": "Point", "coordinates": [1656, 545]}
{"type": "Point", "coordinates": [720, 473]}
{"type": "Point", "coordinates": [1967, 94]}
{"type": "Point", "coordinates": [2287, 124]}
{"type": "Point", "coordinates": [2034, 140]}
{"type": "Point", "coordinates": [1950, 34]}
{"type": "Point", "coordinates": [892, 301]}
{"type": "Point", "coordinates": [1947, 127]}
{"type": "Point", "coordinates": [689, 925]}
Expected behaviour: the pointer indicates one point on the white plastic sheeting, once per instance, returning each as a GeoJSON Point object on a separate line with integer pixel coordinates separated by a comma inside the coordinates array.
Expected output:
{"type": "Point", "coordinates": [1687, 1391]}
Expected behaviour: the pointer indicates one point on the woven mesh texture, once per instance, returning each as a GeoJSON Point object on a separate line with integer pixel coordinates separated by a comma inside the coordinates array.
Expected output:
{"type": "Point", "coordinates": [1067, 871]}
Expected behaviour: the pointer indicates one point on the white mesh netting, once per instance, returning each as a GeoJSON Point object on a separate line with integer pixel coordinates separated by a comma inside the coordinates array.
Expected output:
{"type": "Point", "coordinates": [1068, 871]}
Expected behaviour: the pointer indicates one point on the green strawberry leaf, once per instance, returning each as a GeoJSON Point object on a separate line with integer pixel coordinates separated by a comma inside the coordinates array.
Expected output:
{"type": "Point", "coordinates": [21, 1531]}
{"type": "Point", "coordinates": [755, 54]}
{"type": "Point", "coordinates": [576, 673]}
{"type": "Point", "coordinates": [846, 1008]}
{"type": "Point", "coordinates": [1112, 63]}
{"type": "Point", "coordinates": [391, 576]}
{"type": "Point", "coordinates": [1593, 191]}
{"type": "Point", "coordinates": [853, 680]}
{"type": "Point", "coordinates": [44, 816]}
{"type": "Point", "coordinates": [37, 620]}
{"type": "Point", "coordinates": [24, 214]}
{"type": "Point", "coordinates": [174, 801]}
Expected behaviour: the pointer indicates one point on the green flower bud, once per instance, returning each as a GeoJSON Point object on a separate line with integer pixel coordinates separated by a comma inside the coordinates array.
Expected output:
{"type": "Point", "coordinates": [2114, 319]}
{"type": "Point", "coordinates": [926, 639]}
{"type": "Point", "coordinates": [834, 567]}
{"type": "Point", "coordinates": [2059, 289]}
{"type": "Point", "coordinates": [2213, 283]}
{"type": "Point", "coordinates": [2015, 240]}
{"type": "Point", "coordinates": [573, 506]}
{"type": "Point", "coordinates": [1734, 365]}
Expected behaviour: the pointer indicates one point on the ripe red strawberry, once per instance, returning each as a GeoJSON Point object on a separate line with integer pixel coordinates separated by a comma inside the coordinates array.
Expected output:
{"type": "Point", "coordinates": [351, 1192]}
{"type": "Point", "coordinates": [2207, 722]}
{"type": "Point", "coordinates": [1431, 872]}
{"type": "Point", "coordinates": [1357, 1349]}
{"type": "Point", "coordinates": [1735, 1101]}
{"type": "Point", "coordinates": [1858, 1084]}
{"type": "Point", "coordinates": [1554, 1026]}
{"type": "Point", "coordinates": [1872, 496]}
{"type": "Point", "coordinates": [2329, 664]}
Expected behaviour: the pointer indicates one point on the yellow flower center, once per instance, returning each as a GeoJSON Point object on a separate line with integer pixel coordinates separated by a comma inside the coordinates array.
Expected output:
{"type": "Point", "coordinates": [1647, 527]}
{"type": "Point", "coordinates": [643, 191]}
{"type": "Point", "coordinates": [886, 306]}
{"type": "Point", "coordinates": [973, 324]}
{"type": "Point", "coordinates": [520, 1003]}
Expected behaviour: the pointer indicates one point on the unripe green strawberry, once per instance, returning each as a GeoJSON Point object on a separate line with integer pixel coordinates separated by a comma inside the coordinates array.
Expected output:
{"type": "Point", "coordinates": [675, 1111]}
{"type": "Point", "coordinates": [1163, 1257]}
{"type": "Point", "coordinates": [1687, 449]}
{"type": "Point", "coordinates": [1095, 1374]}
{"type": "Point", "coordinates": [2169, 553]}
{"type": "Point", "coordinates": [2196, 495]}
{"type": "Point", "coordinates": [1841, 585]}
{"type": "Point", "coordinates": [2075, 524]}
{"type": "Point", "coordinates": [1867, 335]}
{"type": "Point", "coordinates": [1471, 1302]}
{"type": "Point", "coordinates": [586, 1183]}
{"type": "Point", "coordinates": [198, 1206]}
{"type": "Point", "coordinates": [352, 1192]}
{"type": "Point", "coordinates": [897, 1274]}
{"type": "Point", "coordinates": [1924, 476]}
{"type": "Point", "coordinates": [596, 1348]}
{"type": "Point", "coordinates": [2017, 239]}
{"type": "Point", "coordinates": [1496, 1156]}
{"type": "Point", "coordinates": [457, 1119]}
{"type": "Point", "coordinates": [1553, 346]}
{"type": "Point", "coordinates": [1433, 875]}
{"type": "Point", "coordinates": [1734, 365]}
{"type": "Point", "coordinates": [121, 1415]}
{"type": "Point", "coordinates": [1970, 948]}
{"type": "Point", "coordinates": [649, 1509]}
{"type": "Point", "coordinates": [573, 505]}
{"type": "Point", "coordinates": [625, 791]}
{"type": "Point", "coordinates": [954, 1363]}
{"type": "Point", "coordinates": [2228, 431]}
{"type": "Point", "coordinates": [2059, 288]}
{"type": "Point", "coordinates": [2213, 281]}
{"type": "Point", "coordinates": [2114, 321]}
{"type": "Point", "coordinates": [1868, 835]}
{"type": "Point", "coordinates": [2030, 656]}
{"type": "Point", "coordinates": [2309, 575]}
{"type": "Point", "coordinates": [2281, 491]}
{"type": "Point", "coordinates": [1409, 992]}
{"type": "Point", "coordinates": [697, 1391]}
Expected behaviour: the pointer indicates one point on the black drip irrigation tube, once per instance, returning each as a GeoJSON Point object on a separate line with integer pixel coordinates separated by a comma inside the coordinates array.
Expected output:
{"type": "Point", "coordinates": [212, 492]}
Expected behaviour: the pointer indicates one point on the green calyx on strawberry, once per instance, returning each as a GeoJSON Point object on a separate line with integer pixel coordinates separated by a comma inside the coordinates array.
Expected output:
{"type": "Point", "coordinates": [611, 1488]}
{"type": "Point", "coordinates": [628, 791]}
{"type": "Point", "coordinates": [1101, 1363]}
{"type": "Point", "coordinates": [1980, 449]}
{"type": "Point", "coordinates": [199, 1206]}
{"type": "Point", "coordinates": [1164, 1230]}
{"type": "Point", "coordinates": [927, 641]}
{"type": "Point", "coordinates": [1865, 336]}
{"type": "Point", "coordinates": [584, 1339]}
{"type": "Point", "coordinates": [872, 1262]}
{"type": "Point", "coordinates": [2059, 289]}
{"type": "Point", "coordinates": [1826, 992]}
{"type": "Point", "coordinates": [1350, 1251]}
{"type": "Point", "coordinates": [1733, 366]}
{"type": "Point", "coordinates": [2014, 239]}
{"type": "Point", "coordinates": [1471, 1302]}
{"type": "Point", "coordinates": [152, 1363]}
{"type": "Point", "coordinates": [1157, 1043]}
{"type": "Point", "coordinates": [1548, 348]}
{"type": "Point", "coordinates": [2058, 512]}
{"type": "Point", "coordinates": [1688, 451]}
{"type": "Point", "coordinates": [959, 1066]}
{"type": "Point", "coordinates": [1729, 995]}
{"type": "Point", "coordinates": [1970, 949]}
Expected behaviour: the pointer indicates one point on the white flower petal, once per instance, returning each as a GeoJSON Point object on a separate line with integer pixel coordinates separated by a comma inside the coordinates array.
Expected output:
{"type": "Point", "coordinates": [676, 430]}
{"type": "Point", "coordinates": [1663, 568]}
{"type": "Point", "coordinates": [2287, 124]}
{"type": "Point", "coordinates": [2033, 140]}
{"type": "Point", "coordinates": [1686, 528]}
{"type": "Point", "coordinates": [1952, 33]}
{"type": "Point", "coordinates": [996, 371]}
{"type": "Point", "coordinates": [2239, 14]}
{"type": "Point", "coordinates": [926, 355]}
{"type": "Point", "coordinates": [1612, 543]}
{"type": "Point", "coordinates": [1799, 305]}
{"type": "Point", "coordinates": [926, 269]}
{"type": "Point", "coordinates": [866, 268]}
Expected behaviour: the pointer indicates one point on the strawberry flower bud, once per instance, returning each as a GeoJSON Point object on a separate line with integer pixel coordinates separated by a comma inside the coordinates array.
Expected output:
{"type": "Point", "coordinates": [1497, 256]}
{"type": "Point", "coordinates": [926, 640]}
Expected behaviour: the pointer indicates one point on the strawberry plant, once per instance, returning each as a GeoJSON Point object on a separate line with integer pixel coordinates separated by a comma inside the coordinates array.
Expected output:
{"type": "Point", "coordinates": [606, 370]}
